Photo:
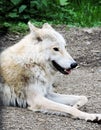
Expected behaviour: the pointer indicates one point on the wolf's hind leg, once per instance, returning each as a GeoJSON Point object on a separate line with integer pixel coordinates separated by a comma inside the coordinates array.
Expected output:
{"type": "Point", "coordinates": [72, 100]}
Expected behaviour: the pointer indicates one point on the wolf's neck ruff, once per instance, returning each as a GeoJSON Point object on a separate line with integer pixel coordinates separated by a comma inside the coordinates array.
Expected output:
{"type": "Point", "coordinates": [41, 72]}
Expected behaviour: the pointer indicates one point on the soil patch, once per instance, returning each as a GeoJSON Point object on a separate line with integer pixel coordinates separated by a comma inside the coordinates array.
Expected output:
{"type": "Point", "coordinates": [85, 46]}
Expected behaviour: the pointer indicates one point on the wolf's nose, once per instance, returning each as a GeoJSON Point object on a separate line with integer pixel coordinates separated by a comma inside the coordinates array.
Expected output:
{"type": "Point", "coordinates": [73, 65]}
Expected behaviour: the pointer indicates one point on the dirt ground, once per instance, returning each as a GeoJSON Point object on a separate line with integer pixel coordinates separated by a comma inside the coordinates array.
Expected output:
{"type": "Point", "coordinates": [85, 46]}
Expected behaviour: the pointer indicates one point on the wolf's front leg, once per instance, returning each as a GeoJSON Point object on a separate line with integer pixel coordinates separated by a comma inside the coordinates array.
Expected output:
{"type": "Point", "coordinates": [72, 100]}
{"type": "Point", "coordinates": [41, 103]}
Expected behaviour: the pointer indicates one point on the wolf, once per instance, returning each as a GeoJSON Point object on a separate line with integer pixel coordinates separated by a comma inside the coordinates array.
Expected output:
{"type": "Point", "coordinates": [28, 69]}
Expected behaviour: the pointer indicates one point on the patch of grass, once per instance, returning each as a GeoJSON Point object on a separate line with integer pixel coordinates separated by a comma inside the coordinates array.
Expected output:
{"type": "Point", "coordinates": [80, 13]}
{"type": "Point", "coordinates": [21, 27]}
{"type": "Point", "coordinates": [16, 27]}
{"type": "Point", "coordinates": [87, 14]}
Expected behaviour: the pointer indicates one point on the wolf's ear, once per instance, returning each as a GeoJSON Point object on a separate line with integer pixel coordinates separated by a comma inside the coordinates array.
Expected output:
{"type": "Point", "coordinates": [32, 27]}
{"type": "Point", "coordinates": [34, 30]}
{"type": "Point", "coordinates": [46, 25]}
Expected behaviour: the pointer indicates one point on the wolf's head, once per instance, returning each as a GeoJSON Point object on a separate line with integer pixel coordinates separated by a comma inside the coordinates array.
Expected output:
{"type": "Point", "coordinates": [50, 47]}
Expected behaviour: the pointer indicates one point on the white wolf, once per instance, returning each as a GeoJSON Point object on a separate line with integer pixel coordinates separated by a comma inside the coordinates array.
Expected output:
{"type": "Point", "coordinates": [28, 69]}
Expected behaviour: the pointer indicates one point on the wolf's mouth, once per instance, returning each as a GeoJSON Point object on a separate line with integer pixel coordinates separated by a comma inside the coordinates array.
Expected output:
{"type": "Point", "coordinates": [61, 69]}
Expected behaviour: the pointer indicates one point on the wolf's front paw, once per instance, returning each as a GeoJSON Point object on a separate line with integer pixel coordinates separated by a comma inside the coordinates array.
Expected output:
{"type": "Point", "coordinates": [82, 101]}
{"type": "Point", "coordinates": [95, 118]}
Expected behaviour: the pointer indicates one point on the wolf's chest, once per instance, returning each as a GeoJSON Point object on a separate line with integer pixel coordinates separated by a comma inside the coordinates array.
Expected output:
{"type": "Point", "coordinates": [40, 81]}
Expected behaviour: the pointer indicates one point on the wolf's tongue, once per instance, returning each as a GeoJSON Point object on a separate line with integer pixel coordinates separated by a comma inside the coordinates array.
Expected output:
{"type": "Point", "coordinates": [68, 71]}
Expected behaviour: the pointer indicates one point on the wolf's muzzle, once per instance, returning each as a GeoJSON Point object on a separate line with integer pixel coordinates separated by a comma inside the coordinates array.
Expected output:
{"type": "Point", "coordinates": [64, 70]}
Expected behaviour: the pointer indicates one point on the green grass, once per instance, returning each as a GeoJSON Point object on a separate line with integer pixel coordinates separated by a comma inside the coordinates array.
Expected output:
{"type": "Point", "coordinates": [22, 27]}
{"type": "Point", "coordinates": [87, 15]}
{"type": "Point", "coordinates": [79, 13]}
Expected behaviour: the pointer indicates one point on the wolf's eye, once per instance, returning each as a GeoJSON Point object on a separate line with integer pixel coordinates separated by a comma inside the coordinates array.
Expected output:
{"type": "Point", "coordinates": [56, 49]}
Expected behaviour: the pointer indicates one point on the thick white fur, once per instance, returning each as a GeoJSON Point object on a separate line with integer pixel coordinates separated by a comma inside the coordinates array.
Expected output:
{"type": "Point", "coordinates": [28, 74]}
